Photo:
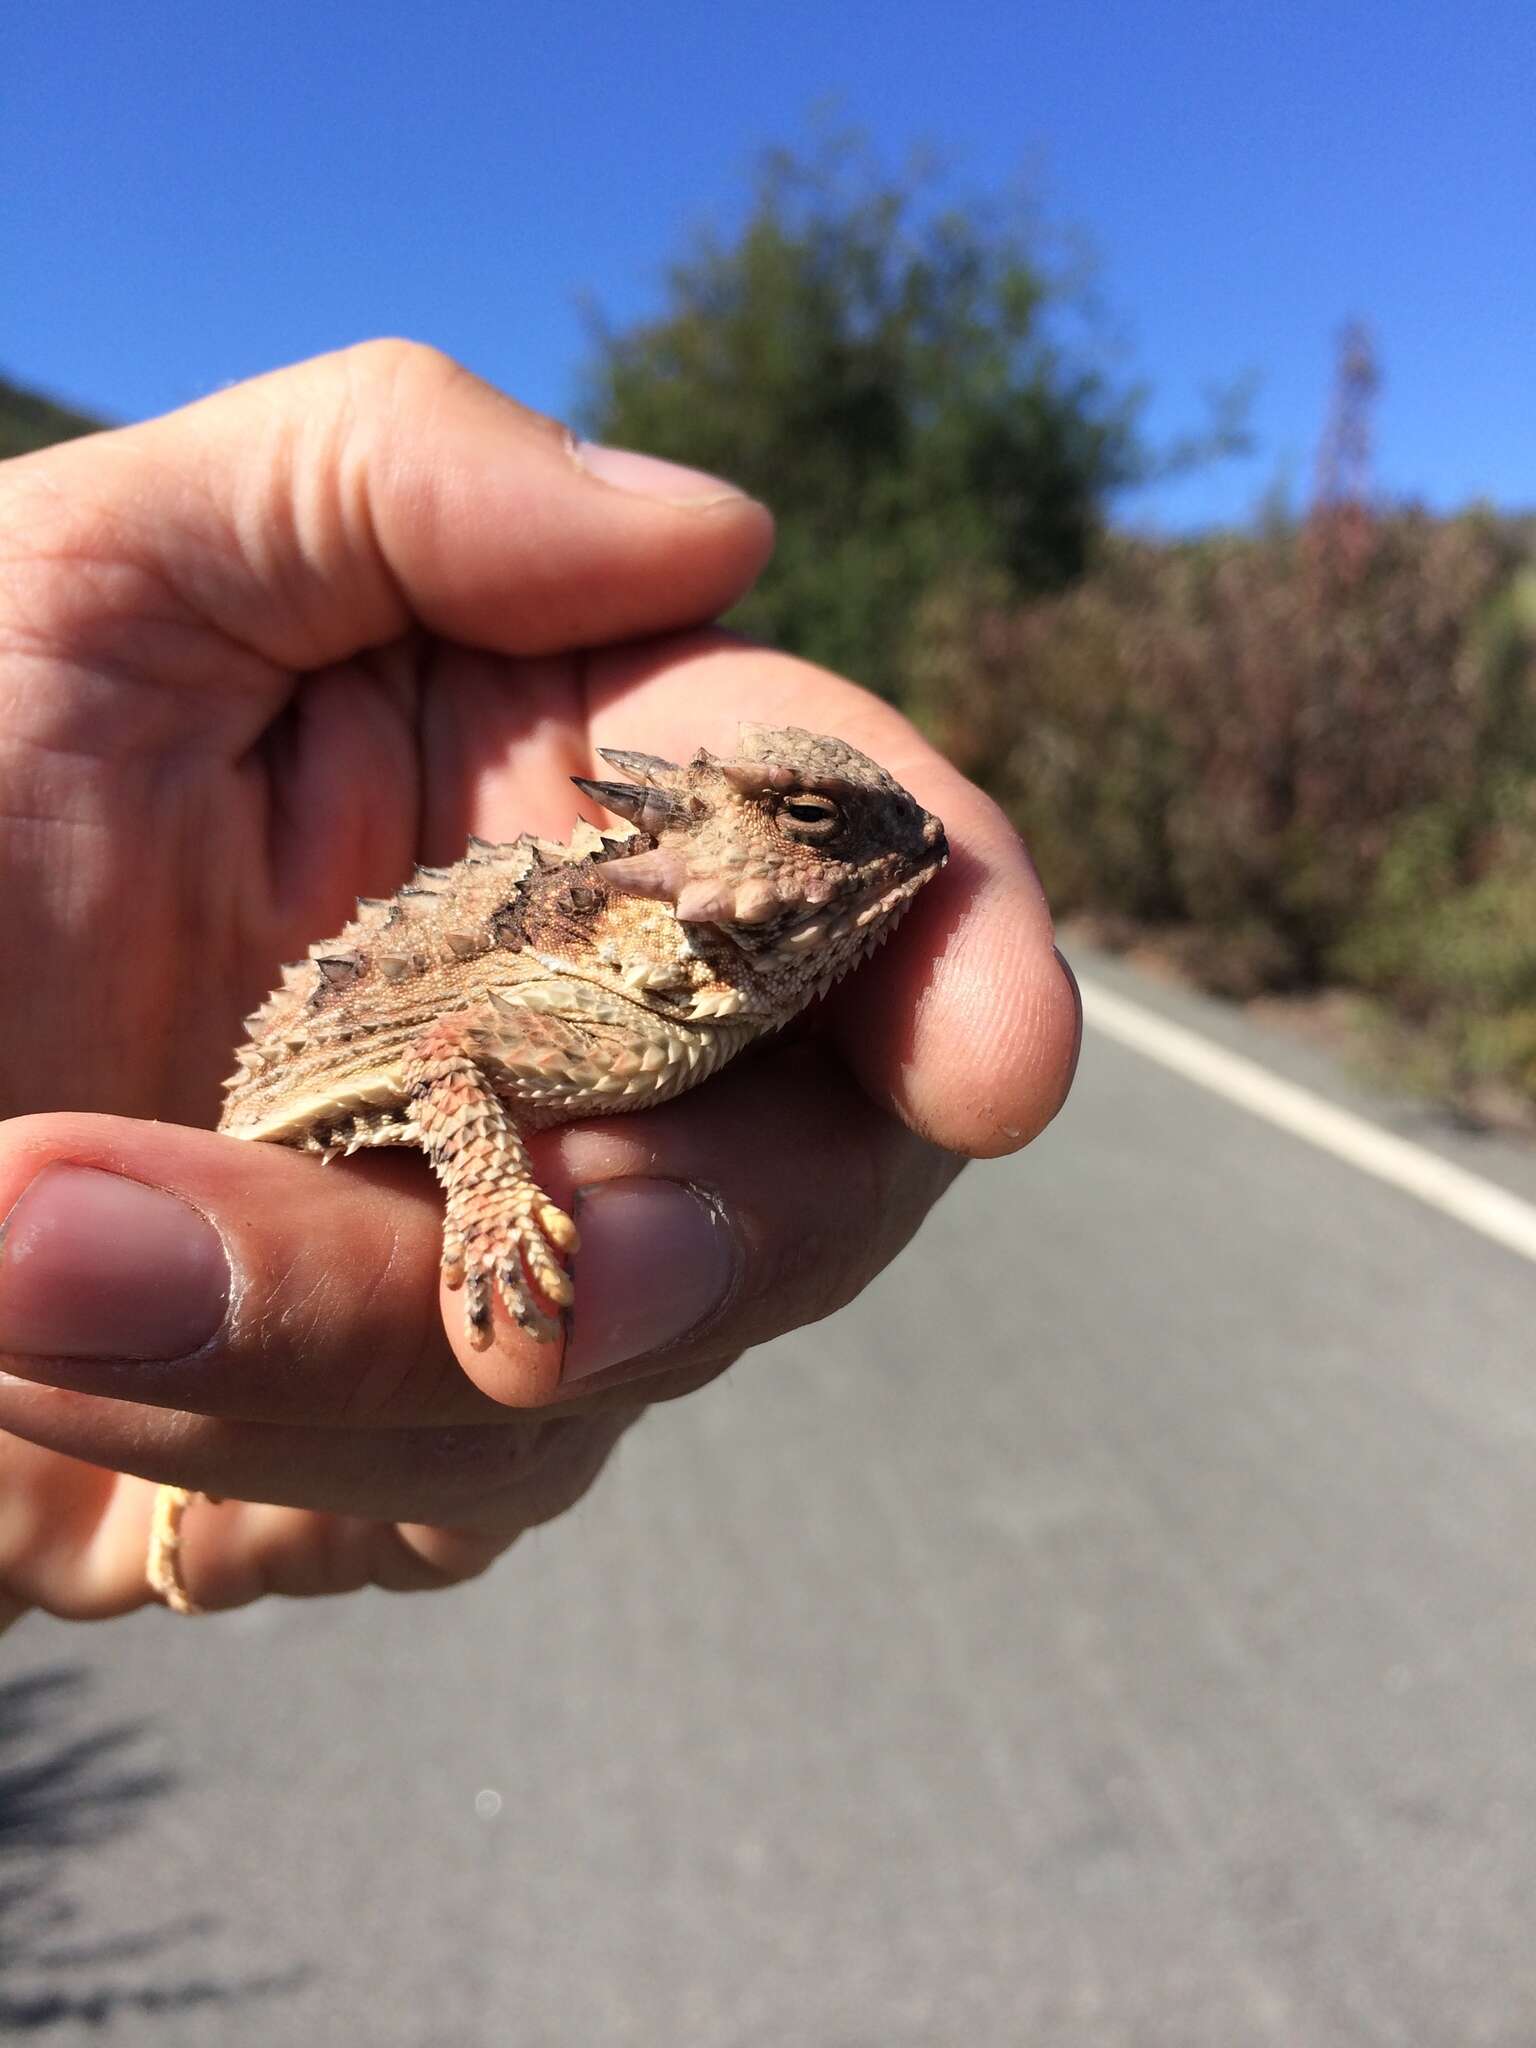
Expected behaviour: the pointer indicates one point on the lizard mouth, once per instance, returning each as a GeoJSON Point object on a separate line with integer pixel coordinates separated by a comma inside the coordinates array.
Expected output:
{"type": "Point", "coordinates": [852, 931]}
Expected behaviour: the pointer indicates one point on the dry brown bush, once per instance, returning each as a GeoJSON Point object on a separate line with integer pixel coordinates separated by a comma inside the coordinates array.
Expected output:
{"type": "Point", "coordinates": [1312, 752]}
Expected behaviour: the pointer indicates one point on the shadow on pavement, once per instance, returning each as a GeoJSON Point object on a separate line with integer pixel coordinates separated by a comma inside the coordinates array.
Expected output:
{"type": "Point", "coordinates": [65, 1790]}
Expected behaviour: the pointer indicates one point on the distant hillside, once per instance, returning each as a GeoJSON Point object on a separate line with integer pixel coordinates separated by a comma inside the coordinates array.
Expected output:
{"type": "Point", "coordinates": [28, 420]}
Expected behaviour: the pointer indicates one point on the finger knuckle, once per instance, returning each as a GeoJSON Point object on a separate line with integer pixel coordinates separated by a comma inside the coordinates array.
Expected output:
{"type": "Point", "coordinates": [413, 379]}
{"type": "Point", "coordinates": [388, 363]}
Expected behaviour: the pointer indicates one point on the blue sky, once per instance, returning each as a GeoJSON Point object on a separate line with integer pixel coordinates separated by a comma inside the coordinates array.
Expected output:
{"type": "Point", "coordinates": [191, 193]}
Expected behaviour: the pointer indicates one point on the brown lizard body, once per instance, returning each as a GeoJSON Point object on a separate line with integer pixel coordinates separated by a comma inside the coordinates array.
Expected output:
{"type": "Point", "coordinates": [532, 984]}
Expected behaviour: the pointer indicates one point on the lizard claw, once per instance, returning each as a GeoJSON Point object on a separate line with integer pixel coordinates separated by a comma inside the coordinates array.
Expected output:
{"type": "Point", "coordinates": [509, 1244]}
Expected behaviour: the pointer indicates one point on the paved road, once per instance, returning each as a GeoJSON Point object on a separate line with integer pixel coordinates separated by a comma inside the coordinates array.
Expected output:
{"type": "Point", "coordinates": [1119, 1629]}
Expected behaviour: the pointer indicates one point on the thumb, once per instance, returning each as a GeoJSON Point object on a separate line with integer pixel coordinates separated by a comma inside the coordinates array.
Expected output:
{"type": "Point", "coordinates": [328, 507]}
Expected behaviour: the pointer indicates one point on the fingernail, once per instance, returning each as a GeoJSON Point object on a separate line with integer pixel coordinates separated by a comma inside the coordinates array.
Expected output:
{"type": "Point", "coordinates": [657, 1259]}
{"type": "Point", "coordinates": [649, 477]}
{"type": "Point", "coordinates": [1077, 1000]}
{"type": "Point", "coordinates": [95, 1266]}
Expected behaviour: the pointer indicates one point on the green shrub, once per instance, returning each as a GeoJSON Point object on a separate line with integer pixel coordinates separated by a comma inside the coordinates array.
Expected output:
{"type": "Point", "coordinates": [901, 379]}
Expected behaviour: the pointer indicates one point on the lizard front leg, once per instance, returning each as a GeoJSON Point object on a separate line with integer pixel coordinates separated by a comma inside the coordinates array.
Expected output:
{"type": "Point", "coordinates": [501, 1232]}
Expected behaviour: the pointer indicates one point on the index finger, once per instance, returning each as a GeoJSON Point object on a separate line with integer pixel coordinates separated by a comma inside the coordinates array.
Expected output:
{"type": "Point", "coordinates": [967, 1026]}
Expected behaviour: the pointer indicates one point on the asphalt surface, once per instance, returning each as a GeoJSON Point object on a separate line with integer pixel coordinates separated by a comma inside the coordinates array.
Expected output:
{"type": "Point", "coordinates": [1117, 1629]}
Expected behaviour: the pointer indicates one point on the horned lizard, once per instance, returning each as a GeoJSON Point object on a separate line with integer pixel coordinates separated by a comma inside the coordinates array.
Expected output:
{"type": "Point", "coordinates": [535, 983]}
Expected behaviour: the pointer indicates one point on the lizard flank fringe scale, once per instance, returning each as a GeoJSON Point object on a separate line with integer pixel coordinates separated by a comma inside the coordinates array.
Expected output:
{"type": "Point", "coordinates": [534, 983]}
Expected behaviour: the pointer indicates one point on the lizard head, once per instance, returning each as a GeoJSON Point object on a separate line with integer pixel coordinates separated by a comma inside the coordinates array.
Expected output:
{"type": "Point", "coordinates": [799, 849]}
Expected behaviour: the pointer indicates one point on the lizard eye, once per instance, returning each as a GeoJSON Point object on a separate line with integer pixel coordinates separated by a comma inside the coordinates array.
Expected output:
{"type": "Point", "coordinates": [812, 817]}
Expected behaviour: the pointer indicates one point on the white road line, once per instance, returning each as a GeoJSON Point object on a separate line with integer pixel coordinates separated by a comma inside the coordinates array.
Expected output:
{"type": "Point", "coordinates": [1467, 1196]}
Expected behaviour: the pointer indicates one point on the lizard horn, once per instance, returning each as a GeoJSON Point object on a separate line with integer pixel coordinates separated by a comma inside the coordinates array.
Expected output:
{"type": "Point", "coordinates": [757, 778]}
{"type": "Point", "coordinates": [639, 767]}
{"type": "Point", "coordinates": [650, 808]}
{"type": "Point", "coordinates": [658, 874]}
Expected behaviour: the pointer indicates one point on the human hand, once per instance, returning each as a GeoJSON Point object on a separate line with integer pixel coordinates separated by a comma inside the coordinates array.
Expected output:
{"type": "Point", "coordinates": [257, 659]}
